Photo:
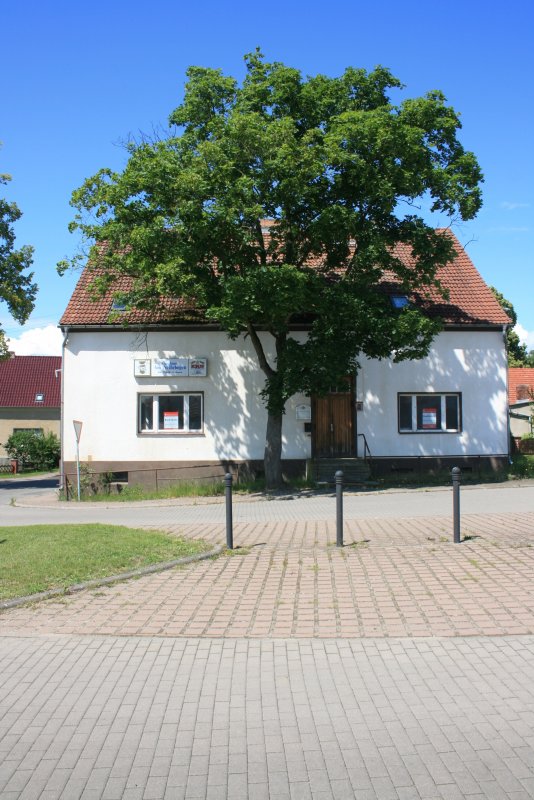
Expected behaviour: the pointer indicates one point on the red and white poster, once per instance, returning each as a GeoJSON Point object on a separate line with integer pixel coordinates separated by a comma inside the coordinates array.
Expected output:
{"type": "Point", "coordinates": [170, 420]}
{"type": "Point", "coordinates": [430, 418]}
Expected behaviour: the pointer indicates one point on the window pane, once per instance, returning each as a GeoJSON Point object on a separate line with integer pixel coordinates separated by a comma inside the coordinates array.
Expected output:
{"type": "Point", "coordinates": [405, 413]}
{"type": "Point", "coordinates": [145, 413]}
{"type": "Point", "coordinates": [195, 412]}
{"type": "Point", "coordinates": [451, 413]}
{"type": "Point", "coordinates": [429, 413]}
{"type": "Point", "coordinates": [171, 412]}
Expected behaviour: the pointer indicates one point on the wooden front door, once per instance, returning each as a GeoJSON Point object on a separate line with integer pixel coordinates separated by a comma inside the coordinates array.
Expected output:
{"type": "Point", "coordinates": [333, 424]}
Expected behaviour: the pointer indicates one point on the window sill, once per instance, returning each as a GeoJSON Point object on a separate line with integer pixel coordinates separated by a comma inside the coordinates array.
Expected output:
{"type": "Point", "coordinates": [431, 433]}
{"type": "Point", "coordinates": [164, 434]}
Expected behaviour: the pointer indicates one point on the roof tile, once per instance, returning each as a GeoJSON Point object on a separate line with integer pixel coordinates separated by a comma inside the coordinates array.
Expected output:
{"type": "Point", "coordinates": [470, 300]}
{"type": "Point", "coordinates": [519, 376]}
{"type": "Point", "coordinates": [22, 378]}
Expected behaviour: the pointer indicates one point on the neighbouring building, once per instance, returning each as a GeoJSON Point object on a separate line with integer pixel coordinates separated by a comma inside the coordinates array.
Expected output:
{"type": "Point", "coordinates": [521, 400]}
{"type": "Point", "coordinates": [166, 396]}
{"type": "Point", "coordinates": [30, 396]}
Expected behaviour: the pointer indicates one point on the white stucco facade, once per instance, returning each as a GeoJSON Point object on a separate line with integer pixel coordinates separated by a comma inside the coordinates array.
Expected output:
{"type": "Point", "coordinates": [471, 363]}
{"type": "Point", "coordinates": [102, 391]}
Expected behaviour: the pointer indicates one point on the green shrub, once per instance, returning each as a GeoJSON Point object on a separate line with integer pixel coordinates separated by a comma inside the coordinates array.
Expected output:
{"type": "Point", "coordinates": [522, 466]}
{"type": "Point", "coordinates": [42, 451]}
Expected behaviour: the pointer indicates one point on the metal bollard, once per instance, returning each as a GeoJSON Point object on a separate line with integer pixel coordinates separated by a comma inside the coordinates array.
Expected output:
{"type": "Point", "coordinates": [456, 474]}
{"type": "Point", "coordinates": [229, 525]}
{"type": "Point", "coordinates": [339, 508]}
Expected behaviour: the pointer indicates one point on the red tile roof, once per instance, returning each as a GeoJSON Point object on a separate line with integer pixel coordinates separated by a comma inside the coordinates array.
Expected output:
{"type": "Point", "coordinates": [22, 378]}
{"type": "Point", "coordinates": [519, 376]}
{"type": "Point", "coordinates": [470, 300]}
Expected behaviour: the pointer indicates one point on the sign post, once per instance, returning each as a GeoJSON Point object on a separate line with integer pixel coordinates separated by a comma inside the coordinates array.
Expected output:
{"type": "Point", "coordinates": [77, 432]}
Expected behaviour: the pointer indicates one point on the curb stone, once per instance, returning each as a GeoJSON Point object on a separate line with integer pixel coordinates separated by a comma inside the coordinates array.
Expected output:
{"type": "Point", "coordinates": [122, 576]}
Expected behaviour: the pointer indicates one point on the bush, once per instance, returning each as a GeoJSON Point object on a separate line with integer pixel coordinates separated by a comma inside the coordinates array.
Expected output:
{"type": "Point", "coordinates": [42, 451]}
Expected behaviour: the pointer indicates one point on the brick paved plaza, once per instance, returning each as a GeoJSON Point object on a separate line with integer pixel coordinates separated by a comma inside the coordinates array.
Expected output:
{"type": "Point", "coordinates": [400, 666]}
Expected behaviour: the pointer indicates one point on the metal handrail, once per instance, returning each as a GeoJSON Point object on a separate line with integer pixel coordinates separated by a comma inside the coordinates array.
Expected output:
{"type": "Point", "coordinates": [366, 451]}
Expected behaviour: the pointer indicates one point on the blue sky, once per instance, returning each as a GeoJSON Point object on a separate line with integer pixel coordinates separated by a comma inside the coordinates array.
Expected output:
{"type": "Point", "coordinates": [79, 78]}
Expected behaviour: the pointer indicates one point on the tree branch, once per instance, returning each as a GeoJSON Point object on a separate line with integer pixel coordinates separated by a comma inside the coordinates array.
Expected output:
{"type": "Point", "coordinates": [258, 347]}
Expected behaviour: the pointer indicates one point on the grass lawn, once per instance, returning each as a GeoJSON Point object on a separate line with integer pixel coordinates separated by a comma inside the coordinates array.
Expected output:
{"type": "Point", "coordinates": [39, 557]}
{"type": "Point", "coordinates": [8, 476]}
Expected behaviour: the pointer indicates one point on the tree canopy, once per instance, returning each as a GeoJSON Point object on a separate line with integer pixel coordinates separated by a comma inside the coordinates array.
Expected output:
{"type": "Point", "coordinates": [518, 355]}
{"type": "Point", "coordinates": [16, 287]}
{"type": "Point", "coordinates": [278, 202]}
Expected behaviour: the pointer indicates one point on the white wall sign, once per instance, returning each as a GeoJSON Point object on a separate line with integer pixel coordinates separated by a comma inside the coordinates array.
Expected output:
{"type": "Point", "coordinates": [198, 367]}
{"type": "Point", "coordinates": [304, 413]}
{"type": "Point", "coordinates": [171, 367]}
{"type": "Point", "coordinates": [142, 367]}
{"type": "Point", "coordinates": [174, 367]}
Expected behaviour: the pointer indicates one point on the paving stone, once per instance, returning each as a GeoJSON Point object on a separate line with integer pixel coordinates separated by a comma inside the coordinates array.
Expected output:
{"type": "Point", "coordinates": [296, 669]}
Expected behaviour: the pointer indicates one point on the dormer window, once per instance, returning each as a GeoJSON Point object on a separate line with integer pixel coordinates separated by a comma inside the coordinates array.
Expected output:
{"type": "Point", "coordinates": [39, 397]}
{"type": "Point", "coordinates": [399, 301]}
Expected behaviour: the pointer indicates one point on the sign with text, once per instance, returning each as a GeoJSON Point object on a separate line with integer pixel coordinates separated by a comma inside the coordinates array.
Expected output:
{"type": "Point", "coordinates": [174, 367]}
{"type": "Point", "coordinates": [198, 367]}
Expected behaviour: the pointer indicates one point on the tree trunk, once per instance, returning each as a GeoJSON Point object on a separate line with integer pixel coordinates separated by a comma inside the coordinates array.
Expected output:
{"type": "Point", "coordinates": [273, 451]}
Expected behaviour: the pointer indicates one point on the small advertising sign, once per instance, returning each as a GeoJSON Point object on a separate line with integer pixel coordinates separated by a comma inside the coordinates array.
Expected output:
{"type": "Point", "coordinates": [430, 418]}
{"type": "Point", "coordinates": [198, 367]}
{"type": "Point", "coordinates": [170, 420]}
{"type": "Point", "coordinates": [174, 367]}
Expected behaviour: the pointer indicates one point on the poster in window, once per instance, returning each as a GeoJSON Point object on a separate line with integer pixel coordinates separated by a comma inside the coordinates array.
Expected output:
{"type": "Point", "coordinates": [170, 420]}
{"type": "Point", "coordinates": [430, 418]}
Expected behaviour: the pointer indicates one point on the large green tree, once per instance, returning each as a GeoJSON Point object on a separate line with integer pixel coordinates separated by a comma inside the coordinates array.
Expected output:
{"type": "Point", "coordinates": [518, 355]}
{"type": "Point", "coordinates": [17, 289]}
{"type": "Point", "coordinates": [330, 162]}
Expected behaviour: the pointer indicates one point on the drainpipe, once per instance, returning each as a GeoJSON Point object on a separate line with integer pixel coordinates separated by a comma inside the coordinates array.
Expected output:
{"type": "Point", "coordinates": [62, 411]}
{"type": "Point", "coordinates": [508, 426]}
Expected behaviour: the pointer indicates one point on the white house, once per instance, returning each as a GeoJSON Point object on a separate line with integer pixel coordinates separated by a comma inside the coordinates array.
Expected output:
{"type": "Point", "coordinates": [162, 400]}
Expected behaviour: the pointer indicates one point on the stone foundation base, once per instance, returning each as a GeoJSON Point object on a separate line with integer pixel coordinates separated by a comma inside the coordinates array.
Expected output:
{"type": "Point", "coordinates": [100, 475]}
{"type": "Point", "coordinates": [432, 465]}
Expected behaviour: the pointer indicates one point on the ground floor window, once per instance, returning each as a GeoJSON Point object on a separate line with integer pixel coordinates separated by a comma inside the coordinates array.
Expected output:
{"type": "Point", "coordinates": [427, 413]}
{"type": "Point", "coordinates": [37, 431]}
{"type": "Point", "coordinates": [171, 413]}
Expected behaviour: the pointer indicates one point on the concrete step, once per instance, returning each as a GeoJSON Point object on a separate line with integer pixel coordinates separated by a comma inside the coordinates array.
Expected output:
{"type": "Point", "coordinates": [355, 470]}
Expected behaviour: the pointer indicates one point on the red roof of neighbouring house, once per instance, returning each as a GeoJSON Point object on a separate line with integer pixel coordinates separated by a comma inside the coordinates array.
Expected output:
{"type": "Point", "coordinates": [520, 377]}
{"type": "Point", "coordinates": [470, 300]}
{"type": "Point", "coordinates": [24, 379]}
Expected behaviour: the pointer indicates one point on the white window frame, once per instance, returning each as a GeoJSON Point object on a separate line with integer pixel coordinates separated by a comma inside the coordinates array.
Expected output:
{"type": "Point", "coordinates": [155, 431]}
{"type": "Point", "coordinates": [443, 408]}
